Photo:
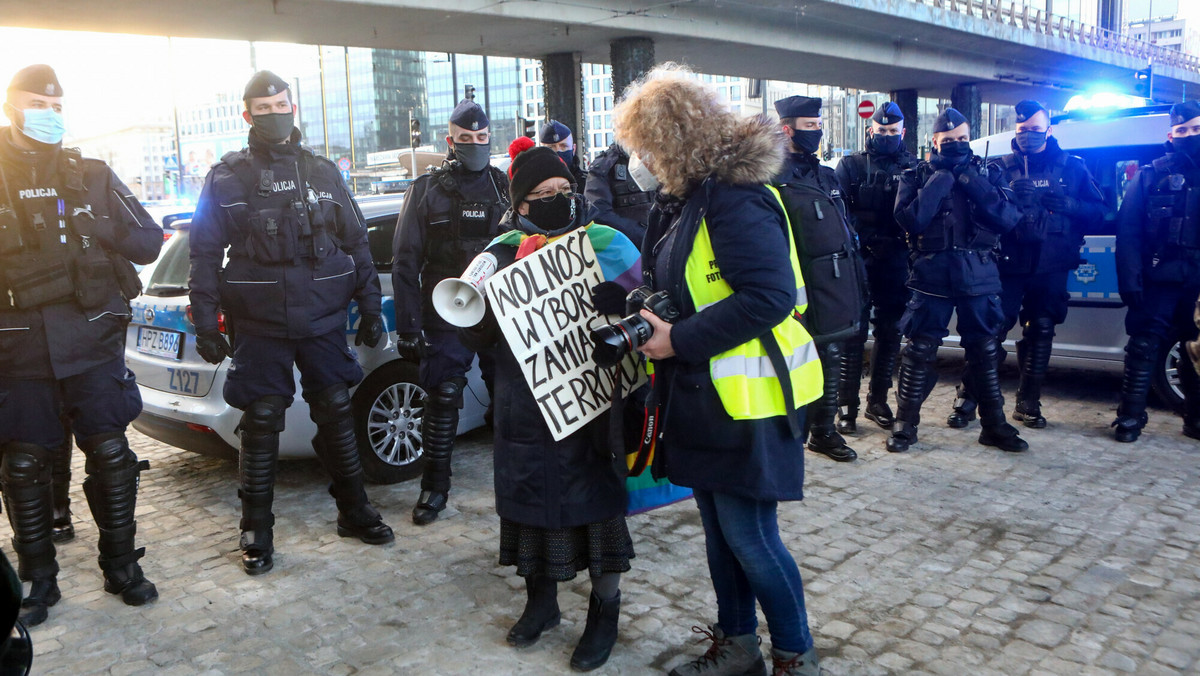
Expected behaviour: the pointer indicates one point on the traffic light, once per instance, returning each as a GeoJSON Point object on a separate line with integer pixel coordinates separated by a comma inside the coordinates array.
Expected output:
{"type": "Point", "coordinates": [414, 130]}
{"type": "Point", "coordinates": [1143, 82]}
{"type": "Point", "coordinates": [526, 127]}
{"type": "Point", "coordinates": [469, 92]}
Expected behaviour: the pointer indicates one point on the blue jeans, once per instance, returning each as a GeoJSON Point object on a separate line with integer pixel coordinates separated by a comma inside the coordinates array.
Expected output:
{"type": "Point", "coordinates": [748, 561]}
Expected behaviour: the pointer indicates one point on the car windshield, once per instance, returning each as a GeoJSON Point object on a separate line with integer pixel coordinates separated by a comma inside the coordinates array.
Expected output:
{"type": "Point", "coordinates": [170, 275]}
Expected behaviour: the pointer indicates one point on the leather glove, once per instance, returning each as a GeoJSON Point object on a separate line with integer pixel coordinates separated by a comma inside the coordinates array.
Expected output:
{"type": "Point", "coordinates": [1060, 203]}
{"type": "Point", "coordinates": [410, 346]}
{"type": "Point", "coordinates": [976, 186]}
{"type": "Point", "coordinates": [212, 347]}
{"type": "Point", "coordinates": [941, 176]}
{"type": "Point", "coordinates": [1132, 298]}
{"type": "Point", "coordinates": [609, 298]}
{"type": "Point", "coordinates": [370, 330]}
{"type": "Point", "coordinates": [1023, 189]}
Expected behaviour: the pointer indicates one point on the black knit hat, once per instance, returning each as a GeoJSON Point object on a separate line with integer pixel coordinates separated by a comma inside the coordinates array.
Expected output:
{"type": "Point", "coordinates": [531, 167]}
{"type": "Point", "coordinates": [36, 79]}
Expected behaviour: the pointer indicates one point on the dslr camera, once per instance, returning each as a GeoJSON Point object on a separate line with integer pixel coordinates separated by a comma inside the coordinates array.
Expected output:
{"type": "Point", "coordinates": [614, 341]}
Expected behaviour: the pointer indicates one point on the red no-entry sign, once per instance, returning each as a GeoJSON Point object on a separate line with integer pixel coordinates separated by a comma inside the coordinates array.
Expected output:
{"type": "Point", "coordinates": [866, 109]}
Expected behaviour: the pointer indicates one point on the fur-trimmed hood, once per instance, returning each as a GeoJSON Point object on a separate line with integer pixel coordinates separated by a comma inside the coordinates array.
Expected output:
{"type": "Point", "coordinates": [752, 154]}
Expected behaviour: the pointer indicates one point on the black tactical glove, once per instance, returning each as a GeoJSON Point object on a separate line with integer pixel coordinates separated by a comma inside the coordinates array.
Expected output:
{"type": "Point", "coordinates": [609, 298]}
{"type": "Point", "coordinates": [1132, 298]}
{"type": "Point", "coordinates": [370, 330]}
{"type": "Point", "coordinates": [1059, 203]}
{"type": "Point", "coordinates": [976, 186]}
{"type": "Point", "coordinates": [1023, 189]}
{"type": "Point", "coordinates": [410, 346]}
{"type": "Point", "coordinates": [212, 347]}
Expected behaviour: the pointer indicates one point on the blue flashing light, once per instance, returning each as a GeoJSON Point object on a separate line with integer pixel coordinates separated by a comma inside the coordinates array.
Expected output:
{"type": "Point", "coordinates": [1104, 101]}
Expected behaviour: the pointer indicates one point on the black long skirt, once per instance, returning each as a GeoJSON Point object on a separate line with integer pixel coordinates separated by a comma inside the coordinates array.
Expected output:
{"type": "Point", "coordinates": [560, 553]}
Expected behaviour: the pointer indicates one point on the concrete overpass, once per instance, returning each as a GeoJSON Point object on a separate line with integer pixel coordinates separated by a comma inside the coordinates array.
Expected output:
{"type": "Point", "coordinates": [969, 50]}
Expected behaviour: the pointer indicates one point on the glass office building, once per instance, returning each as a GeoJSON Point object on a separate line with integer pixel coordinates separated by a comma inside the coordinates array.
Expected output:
{"type": "Point", "coordinates": [497, 83]}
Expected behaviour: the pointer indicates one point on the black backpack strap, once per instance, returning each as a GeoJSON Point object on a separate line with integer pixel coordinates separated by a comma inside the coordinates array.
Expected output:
{"type": "Point", "coordinates": [785, 382]}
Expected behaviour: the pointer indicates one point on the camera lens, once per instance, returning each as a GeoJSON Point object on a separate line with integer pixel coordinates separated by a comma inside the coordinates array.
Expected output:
{"type": "Point", "coordinates": [614, 341]}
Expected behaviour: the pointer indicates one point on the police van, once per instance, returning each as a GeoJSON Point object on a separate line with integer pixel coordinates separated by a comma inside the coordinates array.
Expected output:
{"type": "Point", "coordinates": [1113, 143]}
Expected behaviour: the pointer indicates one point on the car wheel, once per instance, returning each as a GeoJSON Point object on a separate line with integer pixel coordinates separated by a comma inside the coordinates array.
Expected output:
{"type": "Point", "coordinates": [388, 408]}
{"type": "Point", "coordinates": [1166, 377]}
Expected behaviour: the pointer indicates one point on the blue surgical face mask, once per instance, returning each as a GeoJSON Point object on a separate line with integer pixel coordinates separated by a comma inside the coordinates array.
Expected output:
{"type": "Point", "coordinates": [44, 125]}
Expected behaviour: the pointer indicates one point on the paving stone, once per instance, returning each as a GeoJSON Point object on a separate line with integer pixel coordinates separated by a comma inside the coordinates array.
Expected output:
{"type": "Point", "coordinates": [1077, 558]}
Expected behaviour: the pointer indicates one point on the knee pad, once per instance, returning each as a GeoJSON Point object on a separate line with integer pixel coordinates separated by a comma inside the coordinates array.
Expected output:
{"type": "Point", "coordinates": [1142, 345]}
{"type": "Point", "coordinates": [331, 405]}
{"type": "Point", "coordinates": [24, 464]}
{"type": "Point", "coordinates": [449, 394]}
{"type": "Point", "coordinates": [107, 453]}
{"type": "Point", "coordinates": [922, 350]}
{"type": "Point", "coordinates": [264, 416]}
{"type": "Point", "coordinates": [1042, 327]}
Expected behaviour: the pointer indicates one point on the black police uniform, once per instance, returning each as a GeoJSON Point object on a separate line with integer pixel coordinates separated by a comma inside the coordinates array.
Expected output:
{"type": "Point", "coordinates": [614, 199]}
{"type": "Point", "coordinates": [1158, 274]}
{"type": "Point", "coordinates": [1036, 257]}
{"type": "Point", "coordinates": [803, 182]}
{"type": "Point", "coordinates": [298, 255]}
{"type": "Point", "coordinates": [70, 231]}
{"type": "Point", "coordinates": [954, 216]}
{"type": "Point", "coordinates": [449, 216]}
{"type": "Point", "coordinates": [870, 179]}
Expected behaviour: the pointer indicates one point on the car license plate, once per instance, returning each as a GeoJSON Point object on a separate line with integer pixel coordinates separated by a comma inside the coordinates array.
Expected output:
{"type": "Point", "coordinates": [159, 343]}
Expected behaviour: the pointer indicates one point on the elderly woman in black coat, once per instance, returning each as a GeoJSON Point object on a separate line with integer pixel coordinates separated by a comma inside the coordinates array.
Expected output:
{"type": "Point", "coordinates": [715, 218]}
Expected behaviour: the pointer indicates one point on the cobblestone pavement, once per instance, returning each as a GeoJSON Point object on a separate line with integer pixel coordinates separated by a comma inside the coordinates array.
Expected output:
{"type": "Point", "coordinates": [1078, 557]}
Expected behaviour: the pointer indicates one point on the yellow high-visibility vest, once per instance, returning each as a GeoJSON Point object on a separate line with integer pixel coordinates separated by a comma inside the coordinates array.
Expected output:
{"type": "Point", "coordinates": [744, 376]}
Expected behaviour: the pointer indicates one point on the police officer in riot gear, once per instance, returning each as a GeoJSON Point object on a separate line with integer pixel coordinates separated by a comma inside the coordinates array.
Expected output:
{"type": "Point", "coordinates": [1057, 198]}
{"type": "Point", "coordinates": [1158, 270]}
{"type": "Point", "coordinates": [298, 255]}
{"type": "Point", "coordinates": [70, 232]}
{"type": "Point", "coordinates": [614, 197]}
{"type": "Point", "coordinates": [954, 212]}
{"type": "Point", "coordinates": [449, 216]}
{"type": "Point", "coordinates": [805, 185]}
{"type": "Point", "coordinates": [870, 179]}
{"type": "Point", "coordinates": [557, 137]}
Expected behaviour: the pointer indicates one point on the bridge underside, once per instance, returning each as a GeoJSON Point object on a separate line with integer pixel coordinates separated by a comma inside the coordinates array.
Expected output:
{"type": "Point", "coordinates": [878, 45]}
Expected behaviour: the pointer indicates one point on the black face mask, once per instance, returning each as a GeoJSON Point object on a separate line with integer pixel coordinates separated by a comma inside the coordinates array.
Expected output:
{"type": "Point", "coordinates": [567, 156]}
{"type": "Point", "coordinates": [1031, 141]}
{"type": "Point", "coordinates": [473, 156]}
{"type": "Point", "coordinates": [880, 144]}
{"type": "Point", "coordinates": [553, 214]}
{"type": "Point", "coordinates": [807, 140]}
{"type": "Point", "coordinates": [955, 151]}
{"type": "Point", "coordinates": [1188, 145]}
{"type": "Point", "coordinates": [274, 127]}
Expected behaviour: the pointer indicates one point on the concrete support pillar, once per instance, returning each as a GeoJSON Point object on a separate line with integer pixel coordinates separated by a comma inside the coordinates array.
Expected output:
{"type": "Point", "coordinates": [965, 98]}
{"type": "Point", "coordinates": [631, 58]}
{"type": "Point", "coordinates": [562, 74]}
{"type": "Point", "coordinates": [907, 100]}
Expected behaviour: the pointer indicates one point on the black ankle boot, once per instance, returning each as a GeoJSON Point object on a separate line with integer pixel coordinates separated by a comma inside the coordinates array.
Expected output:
{"type": "Point", "coordinates": [541, 611]}
{"type": "Point", "coordinates": [847, 422]}
{"type": "Point", "coordinates": [257, 551]}
{"type": "Point", "coordinates": [43, 593]}
{"type": "Point", "coordinates": [366, 524]}
{"type": "Point", "coordinates": [429, 505]}
{"type": "Point", "coordinates": [600, 634]}
{"type": "Point", "coordinates": [880, 413]}
{"type": "Point", "coordinates": [130, 583]}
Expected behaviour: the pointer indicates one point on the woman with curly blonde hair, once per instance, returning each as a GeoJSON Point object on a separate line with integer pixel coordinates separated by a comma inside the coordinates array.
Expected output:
{"type": "Point", "coordinates": [715, 219]}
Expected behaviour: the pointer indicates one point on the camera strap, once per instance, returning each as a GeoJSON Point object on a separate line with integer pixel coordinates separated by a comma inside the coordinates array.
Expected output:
{"type": "Point", "coordinates": [771, 346]}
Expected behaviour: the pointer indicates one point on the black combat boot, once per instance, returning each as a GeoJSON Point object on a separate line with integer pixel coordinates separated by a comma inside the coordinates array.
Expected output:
{"type": "Point", "coordinates": [111, 489]}
{"type": "Point", "coordinates": [982, 358]}
{"type": "Point", "coordinates": [850, 380]}
{"type": "Point", "coordinates": [261, 424]}
{"type": "Point", "coordinates": [337, 448]}
{"type": "Point", "coordinates": [1140, 355]}
{"type": "Point", "coordinates": [917, 377]}
{"type": "Point", "coordinates": [541, 611]}
{"type": "Point", "coordinates": [25, 482]}
{"type": "Point", "coordinates": [824, 437]}
{"type": "Point", "coordinates": [599, 634]}
{"type": "Point", "coordinates": [964, 408]}
{"type": "Point", "coordinates": [63, 530]}
{"type": "Point", "coordinates": [884, 354]}
{"type": "Point", "coordinates": [439, 427]}
{"type": "Point", "coordinates": [1033, 357]}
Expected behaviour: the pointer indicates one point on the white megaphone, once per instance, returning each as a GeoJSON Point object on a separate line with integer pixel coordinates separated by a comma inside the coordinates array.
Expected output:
{"type": "Point", "coordinates": [461, 301]}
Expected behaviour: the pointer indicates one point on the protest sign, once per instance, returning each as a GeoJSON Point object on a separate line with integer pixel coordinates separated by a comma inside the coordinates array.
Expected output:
{"type": "Point", "coordinates": [543, 303]}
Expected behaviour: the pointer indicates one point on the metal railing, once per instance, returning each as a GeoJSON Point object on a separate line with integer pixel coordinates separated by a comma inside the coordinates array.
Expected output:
{"type": "Point", "coordinates": [1038, 21]}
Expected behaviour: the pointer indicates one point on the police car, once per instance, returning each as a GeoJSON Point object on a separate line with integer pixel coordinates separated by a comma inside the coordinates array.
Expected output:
{"type": "Point", "coordinates": [181, 392]}
{"type": "Point", "coordinates": [1113, 142]}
